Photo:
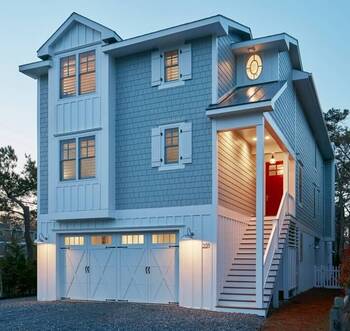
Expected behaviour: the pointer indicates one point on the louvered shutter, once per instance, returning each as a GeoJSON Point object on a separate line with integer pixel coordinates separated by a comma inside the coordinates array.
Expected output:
{"type": "Point", "coordinates": [186, 62]}
{"type": "Point", "coordinates": [156, 147]}
{"type": "Point", "coordinates": [186, 143]}
{"type": "Point", "coordinates": [156, 68]}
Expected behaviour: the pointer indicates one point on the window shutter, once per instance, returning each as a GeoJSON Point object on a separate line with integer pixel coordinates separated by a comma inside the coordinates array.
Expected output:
{"type": "Point", "coordinates": [186, 62]}
{"type": "Point", "coordinates": [186, 143]}
{"type": "Point", "coordinates": [156, 146]}
{"type": "Point", "coordinates": [156, 64]}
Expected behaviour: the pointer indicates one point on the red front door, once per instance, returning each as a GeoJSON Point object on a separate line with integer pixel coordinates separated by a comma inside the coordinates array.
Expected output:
{"type": "Point", "coordinates": [274, 187]}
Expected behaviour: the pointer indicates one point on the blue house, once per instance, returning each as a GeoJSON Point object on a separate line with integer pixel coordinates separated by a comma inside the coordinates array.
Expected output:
{"type": "Point", "coordinates": [190, 165]}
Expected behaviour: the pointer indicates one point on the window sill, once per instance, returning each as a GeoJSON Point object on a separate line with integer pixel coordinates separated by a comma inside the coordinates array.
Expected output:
{"type": "Point", "coordinates": [176, 166]}
{"type": "Point", "coordinates": [171, 84]}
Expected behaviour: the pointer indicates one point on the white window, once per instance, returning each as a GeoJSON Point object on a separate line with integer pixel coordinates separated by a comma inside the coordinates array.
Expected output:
{"type": "Point", "coordinates": [74, 241]}
{"type": "Point", "coordinates": [133, 239]}
{"type": "Point", "coordinates": [163, 238]}
{"type": "Point", "coordinates": [68, 159]}
{"type": "Point", "coordinates": [101, 240]}
{"type": "Point", "coordinates": [172, 66]}
{"type": "Point", "coordinates": [67, 76]}
{"type": "Point", "coordinates": [172, 146]}
{"type": "Point", "coordinates": [87, 162]}
{"type": "Point", "coordinates": [87, 72]}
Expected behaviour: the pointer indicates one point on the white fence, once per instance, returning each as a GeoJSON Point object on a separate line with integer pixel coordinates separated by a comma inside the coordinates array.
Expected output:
{"type": "Point", "coordinates": [327, 276]}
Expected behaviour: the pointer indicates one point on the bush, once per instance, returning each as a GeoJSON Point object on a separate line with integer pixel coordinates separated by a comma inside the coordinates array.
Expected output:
{"type": "Point", "coordinates": [345, 269]}
{"type": "Point", "coordinates": [18, 274]}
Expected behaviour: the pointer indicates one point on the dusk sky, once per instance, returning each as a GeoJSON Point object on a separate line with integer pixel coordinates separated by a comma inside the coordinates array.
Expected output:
{"type": "Point", "coordinates": [322, 28]}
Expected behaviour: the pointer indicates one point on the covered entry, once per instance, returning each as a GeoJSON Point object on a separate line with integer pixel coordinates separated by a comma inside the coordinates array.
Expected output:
{"type": "Point", "coordinates": [137, 267]}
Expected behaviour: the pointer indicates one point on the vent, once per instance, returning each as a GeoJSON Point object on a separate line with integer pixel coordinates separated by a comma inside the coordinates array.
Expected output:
{"type": "Point", "coordinates": [292, 235]}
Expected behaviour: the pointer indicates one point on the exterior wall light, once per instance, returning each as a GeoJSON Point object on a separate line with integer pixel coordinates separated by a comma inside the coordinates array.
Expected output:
{"type": "Point", "coordinates": [40, 240]}
{"type": "Point", "coordinates": [272, 160]}
{"type": "Point", "coordinates": [188, 235]}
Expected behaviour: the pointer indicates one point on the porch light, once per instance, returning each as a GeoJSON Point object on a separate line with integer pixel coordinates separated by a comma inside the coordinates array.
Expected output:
{"type": "Point", "coordinates": [40, 240]}
{"type": "Point", "coordinates": [272, 160]}
{"type": "Point", "coordinates": [189, 234]}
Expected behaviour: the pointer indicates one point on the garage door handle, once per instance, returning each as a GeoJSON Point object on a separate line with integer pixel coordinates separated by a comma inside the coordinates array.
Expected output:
{"type": "Point", "coordinates": [110, 247]}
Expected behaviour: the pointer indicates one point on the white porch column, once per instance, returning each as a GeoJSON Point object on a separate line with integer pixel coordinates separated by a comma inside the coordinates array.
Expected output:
{"type": "Point", "coordinates": [260, 213]}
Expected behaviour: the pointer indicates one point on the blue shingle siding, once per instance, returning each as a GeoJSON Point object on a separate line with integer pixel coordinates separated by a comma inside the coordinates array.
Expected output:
{"type": "Point", "coordinates": [139, 108]}
{"type": "Point", "coordinates": [226, 64]}
{"type": "Point", "coordinates": [312, 176]}
{"type": "Point", "coordinates": [43, 157]}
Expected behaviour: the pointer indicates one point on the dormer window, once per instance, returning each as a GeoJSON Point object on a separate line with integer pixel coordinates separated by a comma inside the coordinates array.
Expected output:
{"type": "Point", "coordinates": [68, 74]}
{"type": "Point", "coordinates": [171, 65]}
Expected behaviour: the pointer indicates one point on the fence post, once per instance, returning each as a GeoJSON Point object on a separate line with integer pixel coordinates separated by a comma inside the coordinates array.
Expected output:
{"type": "Point", "coordinates": [336, 314]}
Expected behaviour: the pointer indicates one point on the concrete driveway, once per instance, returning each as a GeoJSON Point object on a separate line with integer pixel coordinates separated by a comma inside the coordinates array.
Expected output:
{"type": "Point", "coordinates": [28, 314]}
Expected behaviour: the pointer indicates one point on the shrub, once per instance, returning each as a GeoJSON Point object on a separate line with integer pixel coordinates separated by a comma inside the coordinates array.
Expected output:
{"type": "Point", "coordinates": [18, 274]}
{"type": "Point", "coordinates": [345, 268]}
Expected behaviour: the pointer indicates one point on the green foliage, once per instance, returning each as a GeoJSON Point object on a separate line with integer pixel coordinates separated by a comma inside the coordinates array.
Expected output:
{"type": "Point", "coordinates": [18, 273]}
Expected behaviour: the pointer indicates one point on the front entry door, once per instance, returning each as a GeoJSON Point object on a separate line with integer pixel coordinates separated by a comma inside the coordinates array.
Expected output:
{"type": "Point", "coordinates": [274, 187]}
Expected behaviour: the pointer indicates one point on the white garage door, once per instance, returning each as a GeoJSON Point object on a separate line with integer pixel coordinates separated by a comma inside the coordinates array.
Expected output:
{"type": "Point", "coordinates": [137, 267]}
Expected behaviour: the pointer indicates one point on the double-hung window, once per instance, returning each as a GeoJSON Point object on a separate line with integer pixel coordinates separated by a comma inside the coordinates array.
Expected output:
{"type": "Point", "coordinates": [87, 72]}
{"type": "Point", "coordinates": [87, 160]}
{"type": "Point", "coordinates": [68, 159]}
{"type": "Point", "coordinates": [68, 76]}
{"type": "Point", "coordinates": [85, 75]}
{"type": "Point", "coordinates": [171, 145]}
{"type": "Point", "coordinates": [171, 66]}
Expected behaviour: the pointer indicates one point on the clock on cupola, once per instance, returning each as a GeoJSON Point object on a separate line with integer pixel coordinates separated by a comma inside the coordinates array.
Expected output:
{"type": "Point", "coordinates": [254, 66]}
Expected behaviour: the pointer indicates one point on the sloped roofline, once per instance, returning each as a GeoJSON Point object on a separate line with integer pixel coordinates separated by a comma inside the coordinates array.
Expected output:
{"type": "Point", "coordinates": [217, 25]}
{"type": "Point", "coordinates": [107, 34]}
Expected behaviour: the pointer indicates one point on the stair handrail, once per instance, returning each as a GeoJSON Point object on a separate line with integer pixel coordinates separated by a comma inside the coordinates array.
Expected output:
{"type": "Point", "coordinates": [272, 244]}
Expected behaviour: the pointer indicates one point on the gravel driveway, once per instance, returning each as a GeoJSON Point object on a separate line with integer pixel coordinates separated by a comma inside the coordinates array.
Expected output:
{"type": "Point", "coordinates": [28, 314]}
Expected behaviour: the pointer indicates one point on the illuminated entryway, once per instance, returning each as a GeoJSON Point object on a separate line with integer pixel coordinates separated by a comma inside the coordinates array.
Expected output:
{"type": "Point", "coordinates": [136, 267]}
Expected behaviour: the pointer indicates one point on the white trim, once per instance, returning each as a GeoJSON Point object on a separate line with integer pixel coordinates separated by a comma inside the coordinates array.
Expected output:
{"type": "Point", "coordinates": [79, 132]}
{"type": "Point", "coordinates": [239, 122]}
{"type": "Point", "coordinates": [38, 115]}
{"type": "Point", "coordinates": [229, 213]}
{"type": "Point", "coordinates": [35, 69]}
{"type": "Point", "coordinates": [215, 25]}
{"type": "Point", "coordinates": [214, 69]}
{"type": "Point", "coordinates": [83, 215]}
{"type": "Point", "coordinates": [164, 85]}
{"type": "Point", "coordinates": [261, 106]}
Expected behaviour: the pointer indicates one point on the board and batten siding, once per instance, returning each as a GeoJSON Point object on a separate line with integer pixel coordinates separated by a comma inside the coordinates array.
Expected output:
{"type": "Point", "coordinates": [43, 140]}
{"type": "Point", "coordinates": [236, 174]}
{"type": "Point", "coordinates": [141, 107]}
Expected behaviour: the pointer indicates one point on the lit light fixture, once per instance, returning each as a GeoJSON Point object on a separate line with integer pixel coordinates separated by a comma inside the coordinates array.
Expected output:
{"type": "Point", "coordinates": [41, 239]}
{"type": "Point", "coordinates": [254, 138]}
{"type": "Point", "coordinates": [267, 137]}
{"type": "Point", "coordinates": [254, 66]}
{"type": "Point", "coordinates": [188, 235]}
{"type": "Point", "coordinates": [272, 160]}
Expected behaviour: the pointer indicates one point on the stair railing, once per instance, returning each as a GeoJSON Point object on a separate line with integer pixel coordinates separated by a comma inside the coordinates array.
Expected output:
{"type": "Point", "coordinates": [272, 244]}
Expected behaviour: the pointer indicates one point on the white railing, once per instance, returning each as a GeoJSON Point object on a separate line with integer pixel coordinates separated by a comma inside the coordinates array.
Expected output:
{"type": "Point", "coordinates": [291, 205]}
{"type": "Point", "coordinates": [272, 244]}
{"type": "Point", "coordinates": [327, 276]}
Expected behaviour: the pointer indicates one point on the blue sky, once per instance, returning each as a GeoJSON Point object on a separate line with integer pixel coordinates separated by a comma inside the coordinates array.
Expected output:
{"type": "Point", "coordinates": [322, 28]}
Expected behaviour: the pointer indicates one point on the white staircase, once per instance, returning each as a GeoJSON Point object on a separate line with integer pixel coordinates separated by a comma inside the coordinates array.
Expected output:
{"type": "Point", "coordinates": [238, 292]}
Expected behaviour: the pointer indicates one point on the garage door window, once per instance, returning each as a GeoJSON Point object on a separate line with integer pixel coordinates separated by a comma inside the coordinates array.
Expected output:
{"type": "Point", "coordinates": [101, 240]}
{"type": "Point", "coordinates": [163, 238]}
{"type": "Point", "coordinates": [74, 240]}
{"type": "Point", "coordinates": [133, 239]}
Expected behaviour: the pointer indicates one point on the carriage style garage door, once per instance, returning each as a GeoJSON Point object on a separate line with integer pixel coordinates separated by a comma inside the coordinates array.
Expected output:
{"type": "Point", "coordinates": [137, 267]}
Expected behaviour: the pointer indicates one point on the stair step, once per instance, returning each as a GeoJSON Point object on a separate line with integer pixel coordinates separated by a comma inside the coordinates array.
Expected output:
{"type": "Point", "coordinates": [241, 297]}
{"type": "Point", "coordinates": [241, 310]}
{"type": "Point", "coordinates": [242, 273]}
{"type": "Point", "coordinates": [240, 304]}
{"type": "Point", "coordinates": [244, 290]}
{"type": "Point", "coordinates": [246, 278]}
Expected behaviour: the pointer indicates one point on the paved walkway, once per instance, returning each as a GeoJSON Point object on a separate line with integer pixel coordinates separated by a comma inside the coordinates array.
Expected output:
{"type": "Point", "coordinates": [308, 311]}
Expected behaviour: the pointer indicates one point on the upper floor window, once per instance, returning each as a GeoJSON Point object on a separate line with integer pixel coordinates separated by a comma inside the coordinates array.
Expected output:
{"type": "Point", "coordinates": [171, 65]}
{"type": "Point", "coordinates": [68, 156]}
{"type": "Point", "coordinates": [67, 76]}
{"type": "Point", "coordinates": [254, 67]}
{"type": "Point", "coordinates": [87, 72]}
{"type": "Point", "coordinates": [171, 145]}
{"type": "Point", "coordinates": [87, 162]}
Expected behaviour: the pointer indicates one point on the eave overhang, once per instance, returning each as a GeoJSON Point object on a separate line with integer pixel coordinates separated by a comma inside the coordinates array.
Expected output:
{"type": "Point", "coordinates": [307, 95]}
{"type": "Point", "coordinates": [217, 25]}
{"type": "Point", "coordinates": [281, 42]}
{"type": "Point", "coordinates": [35, 69]}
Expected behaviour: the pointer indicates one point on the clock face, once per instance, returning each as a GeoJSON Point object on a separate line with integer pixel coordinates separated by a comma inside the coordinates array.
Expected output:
{"type": "Point", "coordinates": [254, 66]}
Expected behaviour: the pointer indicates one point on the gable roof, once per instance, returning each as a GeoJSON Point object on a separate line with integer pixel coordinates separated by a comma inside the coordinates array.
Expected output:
{"type": "Point", "coordinates": [107, 35]}
{"type": "Point", "coordinates": [215, 25]}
